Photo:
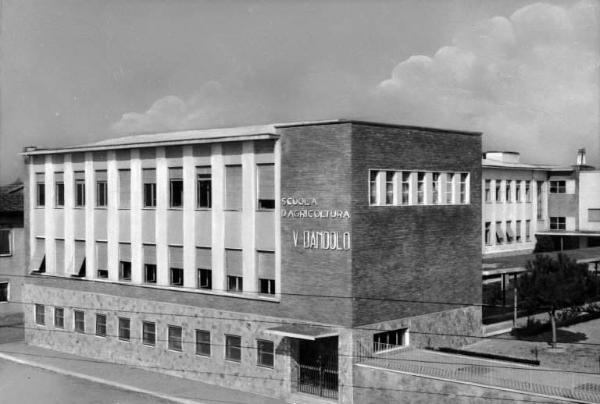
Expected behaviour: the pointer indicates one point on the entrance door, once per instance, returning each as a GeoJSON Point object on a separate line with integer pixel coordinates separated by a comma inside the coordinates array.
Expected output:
{"type": "Point", "coordinates": [318, 367]}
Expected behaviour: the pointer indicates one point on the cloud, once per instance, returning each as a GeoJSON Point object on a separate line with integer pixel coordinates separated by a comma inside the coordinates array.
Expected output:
{"type": "Point", "coordinates": [527, 80]}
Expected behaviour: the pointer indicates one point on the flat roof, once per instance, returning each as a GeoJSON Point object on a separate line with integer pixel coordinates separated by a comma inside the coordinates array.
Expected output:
{"type": "Point", "coordinates": [303, 331]}
{"type": "Point", "coordinates": [491, 163]}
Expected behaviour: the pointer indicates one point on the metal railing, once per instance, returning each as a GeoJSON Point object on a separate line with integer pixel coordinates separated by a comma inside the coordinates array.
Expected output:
{"type": "Point", "coordinates": [319, 380]}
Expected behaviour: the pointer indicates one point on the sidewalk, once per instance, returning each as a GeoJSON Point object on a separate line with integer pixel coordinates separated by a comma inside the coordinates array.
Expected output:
{"type": "Point", "coordinates": [128, 378]}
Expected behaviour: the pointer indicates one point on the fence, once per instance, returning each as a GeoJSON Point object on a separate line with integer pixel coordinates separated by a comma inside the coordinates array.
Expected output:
{"type": "Point", "coordinates": [318, 380]}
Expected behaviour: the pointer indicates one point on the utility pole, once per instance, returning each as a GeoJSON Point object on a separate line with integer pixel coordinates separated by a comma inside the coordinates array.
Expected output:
{"type": "Point", "coordinates": [515, 309]}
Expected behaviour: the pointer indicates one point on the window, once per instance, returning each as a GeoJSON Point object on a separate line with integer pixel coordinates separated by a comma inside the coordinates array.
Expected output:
{"type": "Point", "coordinates": [499, 233]}
{"type": "Point", "coordinates": [79, 321]}
{"type": "Point", "coordinates": [149, 273]}
{"type": "Point", "coordinates": [80, 193]}
{"type": "Point", "coordinates": [508, 193]}
{"type": "Point", "coordinates": [265, 353]}
{"type": "Point", "coordinates": [527, 230]}
{"type": "Point", "coordinates": [204, 278]}
{"type": "Point", "coordinates": [266, 272]}
{"type": "Point", "coordinates": [509, 232]}
{"type": "Point", "coordinates": [389, 187]}
{"type": "Point", "coordinates": [204, 187]}
{"type": "Point", "coordinates": [233, 348]}
{"type": "Point", "coordinates": [420, 188]}
{"type": "Point", "coordinates": [124, 270]}
{"type": "Point", "coordinates": [176, 276]}
{"type": "Point", "coordinates": [373, 194]}
{"type": "Point", "coordinates": [464, 177]}
{"type": "Point", "coordinates": [487, 237]}
{"type": "Point", "coordinates": [558, 187]}
{"type": "Point", "coordinates": [59, 317]}
{"type": "Point", "coordinates": [4, 292]}
{"type": "Point", "coordinates": [5, 242]}
{"type": "Point", "coordinates": [102, 274]}
{"type": "Point", "coordinates": [405, 188]}
{"type": "Point", "coordinates": [149, 333]}
{"type": "Point", "coordinates": [125, 188]}
{"type": "Point", "coordinates": [266, 186]}
{"type": "Point", "coordinates": [390, 339]}
{"type": "Point", "coordinates": [124, 329]}
{"type": "Point", "coordinates": [518, 238]}
{"type": "Point", "coordinates": [235, 283]}
{"type": "Point", "coordinates": [449, 188]}
{"type": "Point", "coordinates": [40, 318]}
{"type": "Point", "coordinates": [202, 342]}
{"type": "Point", "coordinates": [267, 286]}
{"type": "Point", "coordinates": [174, 338]}
{"type": "Point", "coordinates": [60, 194]}
{"type": "Point", "coordinates": [435, 188]}
{"type": "Point", "coordinates": [527, 191]}
{"type": "Point", "coordinates": [101, 193]}
{"type": "Point", "coordinates": [558, 223]}
{"type": "Point", "coordinates": [518, 191]}
{"type": "Point", "coordinates": [150, 195]}
{"type": "Point", "coordinates": [497, 189]}
{"type": "Point", "coordinates": [101, 325]}
{"type": "Point", "coordinates": [593, 215]}
{"type": "Point", "coordinates": [41, 194]}
{"type": "Point", "coordinates": [176, 193]}
{"type": "Point", "coordinates": [539, 200]}
{"type": "Point", "coordinates": [233, 187]}
{"type": "Point", "coordinates": [234, 270]}
{"type": "Point", "coordinates": [488, 190]}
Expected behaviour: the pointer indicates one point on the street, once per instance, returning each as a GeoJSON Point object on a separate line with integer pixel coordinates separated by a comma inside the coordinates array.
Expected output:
{"type": "Point", "coordinates": [28, 385]}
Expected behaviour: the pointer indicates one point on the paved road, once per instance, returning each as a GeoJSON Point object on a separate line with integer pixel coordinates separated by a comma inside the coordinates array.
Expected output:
{"type": "Point", "coordinates": [20, 384]}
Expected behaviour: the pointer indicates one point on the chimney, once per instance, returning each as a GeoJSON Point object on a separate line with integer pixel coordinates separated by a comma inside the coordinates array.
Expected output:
{"type": "Point", "coordinates": [581, 157]}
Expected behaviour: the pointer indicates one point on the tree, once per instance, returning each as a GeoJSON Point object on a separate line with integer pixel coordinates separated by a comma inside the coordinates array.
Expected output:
{"type": "Point", "coordinates": [553, 284]}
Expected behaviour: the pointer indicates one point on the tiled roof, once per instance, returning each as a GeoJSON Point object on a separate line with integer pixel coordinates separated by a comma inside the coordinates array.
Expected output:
{"type": "Point", "coordinates": [11, 198]}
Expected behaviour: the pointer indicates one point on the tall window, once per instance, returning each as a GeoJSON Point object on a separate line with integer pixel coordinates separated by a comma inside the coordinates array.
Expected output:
{"type": "Point", "coordinates": [265, 353]}
{"type": "Point", "coordinates": [5, 242]}
{"type": "Point", "coordinates": [497, 189]}
{"type": "Point", "coordinates": [149, 333]}
{"type": "Point", "coordinates": [59, 194]}
{"type": "Point", "coordinates": [540, 199]}
{"type": "Point", "coordinates": [449, 187]}
{"type": "Point", "coordinates": [435, 187]}
{"type": "Point", "coordinates": [487, 237]}
{"type": "Point", "coordinates": [488, 190]}
{"type": "Point", "coordinates": [508, 193]}
{"type": "Point", "coordinates": [527, 191]}
{"type": "Point", "coordinates": [40, 317]}
{"type": "Point", "coordinates": [266, 186]}
{"type": "Point", "coordinates": [266, 272]}
{"type": "Point", "coordinates": [79, 321]}
{"type": "Point", "coordinates": [234, 269]}
{"type": "Point", "coordinates": [558, 187]}
{"type": "Point", "coordinates": [499, 233]}
{"type": "Point", "coordinates": [233, 187]}
{"type": "Point", "coordinates": [464, 177]}
{"type": "Point", "coordinates": [233, 348]}
{"type": "Point", "coordinates": [527, 230]}
{"type": "Point", "coordinates": [176, 187]}
{"type": "Point", "coordinates": [405, 188]}
{"type": "Point", "coordinates": [41, 194]}
{"type": "Point", "coordinates": [174, 338]}
{"type": "Point", "coordinates": [518, 238]}
{"type": "Point", "coordinates": [204, 278]}
{"type": "Point", "coordinates": [509, 232]}
{"type": "Point", "coordinates": [149, 273]}
{"type": "Point", "coordinates": [420, 188]}
{"type": "Point", "coordinates": [202, 342]}
{"type": "Point", "coordinates": [124, 270]}
{"type": "Point", "coordinates": [80, 193]}
{"type": "Point", "coordinates": [3, 291]}
{"type": "Point", "coordinates": [149, 175]}
{"type": "Point", "coordinates": [125, 188]}
{"type": "Point", "coordinates": [59, 317]}
{"type": "Point", "coordinates": [373, 192]}
{"type": "Point", "coordinates": [204, 187]}
{"type": "Point", "coordinates": [101, 325]}
{"type": "Point", "coordinates": [558, 223]}
{"type": "Point", "coordinates": [101, 193]}
{"type": "Point", "coordinates": [518, 191]}
{"type": "Point", "coordinates": [124, 329]}
{"type": "Point", "coordinates": [389, 187]}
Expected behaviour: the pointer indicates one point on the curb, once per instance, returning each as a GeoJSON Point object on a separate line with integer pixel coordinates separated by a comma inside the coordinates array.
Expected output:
{"type": "Point", "coordinates": [95, 379]}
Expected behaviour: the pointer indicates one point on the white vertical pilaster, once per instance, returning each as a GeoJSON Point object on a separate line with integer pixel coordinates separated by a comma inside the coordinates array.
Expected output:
{"type": "Point", "coordinates": [162, 202]}
{"type": "Point", "coordinates": [278, 196]}
{"type": "Point", "coordinates": [218, 217]}
{"type": "Point", "coordinates": [90, 204]}
{"type": "Point", "coordinates": [32, 204]}
{"type": "Point", "coordinates": [49, 223]}
{"type": "Point", "coordinates": [189, 216]}
{"type": "Point", "coordinates": [69, 215]}
{"type": "Point", "coordinates": [249, 217]}
{"type": "Point", "coordinates": [135, 217]}
{"type": "Point", "coordinates": [112, 234]}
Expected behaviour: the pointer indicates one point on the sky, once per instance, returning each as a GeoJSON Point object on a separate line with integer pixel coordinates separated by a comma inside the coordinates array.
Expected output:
{"type": "Point", "coordinates": [526, 74]}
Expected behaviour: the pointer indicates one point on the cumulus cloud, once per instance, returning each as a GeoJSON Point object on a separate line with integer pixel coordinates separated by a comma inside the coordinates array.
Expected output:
{"type": "Point", "coordinates": [526, 81]}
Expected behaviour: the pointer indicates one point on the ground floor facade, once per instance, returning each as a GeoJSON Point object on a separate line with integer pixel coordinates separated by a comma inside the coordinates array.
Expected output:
{"type": "Point", "coordinates": [277, 357]}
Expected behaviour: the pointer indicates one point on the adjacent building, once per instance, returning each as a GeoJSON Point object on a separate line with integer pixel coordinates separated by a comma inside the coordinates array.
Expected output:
{"type": "Point", "coordinates": [249, 257]}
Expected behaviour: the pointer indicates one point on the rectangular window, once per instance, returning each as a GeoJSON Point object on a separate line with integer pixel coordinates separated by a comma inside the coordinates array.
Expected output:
{"type": "Point", "coordinates": [389, 339]}
{"type": "Point", "coordinates": [233, 187]}
{"type": "Point", "coordinates": [124, 329]}
{"type": "Point", "coordinates": [102, 273]}
{"type": "Point", "coordinates": [80, 193]}
{"type": "Point", "coordinates": [59, 317]}
{"type": "Point", "coordinates": [204, 187]}
{"type": "Point", "coordinates": [233, 348]}
{"type": "Point", "coordinates": [149, 333]}
{"type": "Point", "coordinates": [234, 270]}
{"type": "Point", "coordinates": [389, 187]}
{"type": "Point", "coordinates": [149, 273]}
{"type": "Point", "coordinates": [176, 193]}
{"type": "Point", "coordinates": [518, 191]}
{"type": "Point", "coordinates": [149, 195]}
{"type": "Point", "coordinates": [449, 188]}
{"type": "Point", "coordinates": [405, 188]}
{"type": "Point", "coordinates": [4, 292]}
{"type": "Point", "coordinates": [527, 191]}
{"type": "Point", "coordinates": [265, 353]}
{"type": "Point", "coordinates": [373, 194]}
{"type": "Point", "coordinates": [202, 342]}
{"type": "Point", "coordinates": [527, 230]}
{"type": "Point", "coordinates": [499, 233]}
{"type": "Point", "coordinates": [498, 187]}
{"type": "Point", "coordinates": [420, 188]}
{"type": "Point", "coordinates": [266, 271]}
{"type": "Point", "coordinates": [508, 193]}
{"type": "Point", "coordinates": [488, 190]}
{"type": "Point", "coordinates": [518, 238]}
{"type": "Point", "coordinates": [40, 317]}
{"type": "Point", "coordinates": [5, 242]}
{"type": "Point", "coordinates": [558, 223]}
{"type": "Point", "coordinates": [79, 321]}
{"type": "Point", "coordinates": [235, 283]}
{"type": "Point", "coordinates": [41, 194]}
{"type": "Point", "coordinates": [266, 186]}
{"type": "Point", "coordinates": [60, 194]}
{"type": "Point", "coordinates": [204, 278]}
{"type": "Point", "coordinates": [124, 271]}
{"type": "Point", "coordinates": [174, 338]}
{"type": "Point", "coordinates": [267, 286]}
{"type": "Point", "coordinates": [124, 189]}
{"type": "Point", "coordinates": [101, 325]}
{"type": "Point", "coordinates": [464, 177]}
{"type": "Point", "coordinates": [558, 187]}
{"type": "Point", "coordinates": [101, 193]}
{"type": "Point", "coordinates": [593, 215]}
{"type": "Point", "coordinates": [176, 278]}
{"type": "Point", "coordinates": [509, 232]}
{"type": "Point", "coordinates": [435, 188]}
{"type": "Point", "coordinates": [540, 199]}
{"type": "Point", "coordinates": [488, 236]}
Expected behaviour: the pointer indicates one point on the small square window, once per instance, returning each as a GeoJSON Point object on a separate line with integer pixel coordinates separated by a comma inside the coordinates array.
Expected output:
{"type": "Point", "coordinates": [149, 333]}
{"type": "Point", "coordinates": [233, 348]}
{"type": "Point", "coordinates": [174, 338]}
{"type": "Point", "coordinates": [176, 276]}
{"type": "Point", "coordinates": [40, 315]}
{"type": "Point", "coordinates": [79, 317]}
{"type": "Point", "coordinates": [150, 273]}
{"type": "Point", "coordinates": [124, 329]}
{"type": "Point", "coordinates": [204, 278]}
{"type": "Point", "coordinates": [202, 342]}
{"type": "Point", "coordinates": [235, 283]}
{"type": "Point", "coordinates": [59, 317]}
{"type": "Point", "coordinates": [265, 353]}
{"type": "Point", "coordinates": [101, 325]}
